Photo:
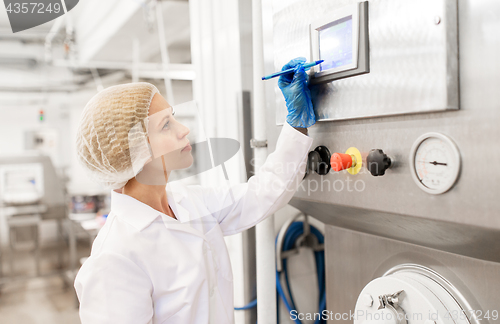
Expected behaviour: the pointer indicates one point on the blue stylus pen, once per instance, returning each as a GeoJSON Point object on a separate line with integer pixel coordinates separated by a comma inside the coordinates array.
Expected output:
{"type": "Point", "coordinates": [306, 66]}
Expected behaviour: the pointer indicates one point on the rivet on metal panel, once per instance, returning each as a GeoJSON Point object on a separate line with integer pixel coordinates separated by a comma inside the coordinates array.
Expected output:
{"type": "Point", "coordinates": [437, 20]}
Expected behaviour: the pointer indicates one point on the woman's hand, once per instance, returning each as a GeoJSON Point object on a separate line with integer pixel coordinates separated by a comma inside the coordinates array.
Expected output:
{"type": "Point", "coordinates": [297, 95]}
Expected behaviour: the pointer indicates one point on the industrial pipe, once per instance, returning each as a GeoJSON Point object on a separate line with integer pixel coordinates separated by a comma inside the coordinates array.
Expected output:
{"type": "Point", "coordinates": [264, 235]}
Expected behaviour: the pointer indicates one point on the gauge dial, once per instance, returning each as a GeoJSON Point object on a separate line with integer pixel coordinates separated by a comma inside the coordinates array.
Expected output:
{"type": "Point", "coordinates": [435, 162]}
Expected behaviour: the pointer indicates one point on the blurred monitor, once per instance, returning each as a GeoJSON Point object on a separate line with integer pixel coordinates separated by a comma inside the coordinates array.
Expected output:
{"type": "Point", "coordinates": [21, 184]}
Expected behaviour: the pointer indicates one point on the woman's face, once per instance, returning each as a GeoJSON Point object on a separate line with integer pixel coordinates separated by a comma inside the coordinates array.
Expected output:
{"type": "Point", "coordinates": [167, 137]}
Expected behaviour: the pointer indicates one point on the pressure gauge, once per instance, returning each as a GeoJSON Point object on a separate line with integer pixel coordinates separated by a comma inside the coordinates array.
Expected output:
{"type": "Point", "coordinates": [435, 163]}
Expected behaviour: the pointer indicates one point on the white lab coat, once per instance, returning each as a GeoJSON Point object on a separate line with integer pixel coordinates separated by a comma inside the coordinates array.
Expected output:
{"type": "Point", "coordinates": [146, 267]}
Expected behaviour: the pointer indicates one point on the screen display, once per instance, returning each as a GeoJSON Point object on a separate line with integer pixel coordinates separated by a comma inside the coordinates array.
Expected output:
{"type": "Point", "coordinates": [335, 44]}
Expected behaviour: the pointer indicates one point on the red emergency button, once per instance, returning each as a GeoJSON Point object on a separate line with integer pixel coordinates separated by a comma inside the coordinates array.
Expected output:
{"type": "Point", "coordinates": [340, 161]}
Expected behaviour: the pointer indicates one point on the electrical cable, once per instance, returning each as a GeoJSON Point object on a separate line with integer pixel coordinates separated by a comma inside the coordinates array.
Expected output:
{"type": "Point", "coordinates": [294, 231]}
{"type": "Point", "coordinates": [250, 305]}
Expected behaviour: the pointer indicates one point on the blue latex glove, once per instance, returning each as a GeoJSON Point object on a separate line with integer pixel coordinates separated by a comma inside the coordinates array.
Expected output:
{"type": "Point", "coordinates": [297, 95]}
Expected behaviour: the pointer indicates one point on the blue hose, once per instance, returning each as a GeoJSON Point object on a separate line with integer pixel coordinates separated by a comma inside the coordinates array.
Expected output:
{"type": "Point", "coordinates": [251, 304]}
{"type": "Point", "coordinates": [294, 231]}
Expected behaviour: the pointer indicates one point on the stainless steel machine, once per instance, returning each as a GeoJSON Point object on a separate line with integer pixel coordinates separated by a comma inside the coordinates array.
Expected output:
{"type": "Point", "coordinates": [403, 172]}
{"type": "Point", "coordinates": [30, 191]}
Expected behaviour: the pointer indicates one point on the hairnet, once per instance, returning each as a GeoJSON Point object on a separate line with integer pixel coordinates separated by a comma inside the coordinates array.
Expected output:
{"type": "Point", "coordinates": [111, 137]}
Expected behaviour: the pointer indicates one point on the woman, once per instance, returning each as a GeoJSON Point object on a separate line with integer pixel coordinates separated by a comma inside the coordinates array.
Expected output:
{"type": "Point", "coordinates": [161, 256]}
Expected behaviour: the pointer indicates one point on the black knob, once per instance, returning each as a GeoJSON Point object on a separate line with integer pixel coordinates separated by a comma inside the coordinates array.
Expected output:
{"type": "Point", "coordinates": [319, 160]}
{"type": "Point", "coordinates": [377, 162]}
{"type": "Point", "coordinates": [313, 160]}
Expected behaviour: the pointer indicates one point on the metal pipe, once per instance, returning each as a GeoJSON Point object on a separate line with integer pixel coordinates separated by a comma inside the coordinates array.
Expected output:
{"type": "Point", "coordinates": [266, 268]}
{"type": "Point", "coordinates": [135, 60]}
{"type": "Point", "coordinates": [116, 65]}
{"type": "Point", "coordinates": [38, 89]}
{"type": "Point", "coordinates": [54, 30]}
{"type": "Point", "coordinates": [97, 79]}
{"type": "Point", "coordinates": [69, 41]}
{"type": "Point", "coordinates": [145, 70]}
{"type": "Point", "coordinates": [164, 53]}
{"type": "Point", "coordinates": [172, 75]}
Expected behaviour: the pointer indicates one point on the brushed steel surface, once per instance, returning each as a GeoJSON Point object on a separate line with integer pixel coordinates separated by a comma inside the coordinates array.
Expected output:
{"type": "Point", "coordinates": [473, 241]}
{"type": "Point", "coordinates": [474, 198]}
{"type": "Point", "coordinates": [53, 199]}
{"type": "Point", "coordinates": [456, 233]}
{"type": "Point", "coordinates": [474, 128]}
{"type": "Point", "coordinates": [413, 60]}
{"type": "Point", "coordinates": [354, 259]}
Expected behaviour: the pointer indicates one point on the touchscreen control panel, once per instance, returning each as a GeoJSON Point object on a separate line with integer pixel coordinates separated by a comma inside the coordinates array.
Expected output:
{"type": "Point", "coordinates": [341, 40]}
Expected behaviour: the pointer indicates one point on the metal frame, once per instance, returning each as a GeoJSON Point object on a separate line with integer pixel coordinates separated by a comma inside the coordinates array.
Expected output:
{"type": "Point", "coordinates": [360, 47]}
{"type": "Point", "coordinates": [314, 244]}
{"type": "Point", "coordinates": [393, 82]}
{"type": "Point", "coordinates": [328, 21]}
{"type": "Point", "coordinates": [31, 222]}
{"type": "Point", "coordinates": [456, 156]}
{"type": "Point", "coordinates": [404, 224]}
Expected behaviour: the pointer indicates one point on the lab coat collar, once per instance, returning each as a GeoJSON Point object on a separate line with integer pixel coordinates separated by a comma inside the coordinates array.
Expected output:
{"type": "Point", "coordinates": [175, 194]}
{"type": "Point", "coordinates": [139, 214]}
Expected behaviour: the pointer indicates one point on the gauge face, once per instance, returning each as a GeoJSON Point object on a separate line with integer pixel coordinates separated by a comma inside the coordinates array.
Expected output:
{"type": "Point", "coordinates": [435, 162]}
